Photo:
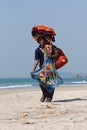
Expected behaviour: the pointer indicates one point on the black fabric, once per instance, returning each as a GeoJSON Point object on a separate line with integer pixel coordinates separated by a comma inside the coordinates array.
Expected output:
{"type": "Point", "coordinates": [39, 55]}
{"type": "Point", "coordinates": [46, 93]}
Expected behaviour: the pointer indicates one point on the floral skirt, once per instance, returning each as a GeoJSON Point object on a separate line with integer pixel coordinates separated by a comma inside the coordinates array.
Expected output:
{"type": "Point", "coordinates": [47, 75]}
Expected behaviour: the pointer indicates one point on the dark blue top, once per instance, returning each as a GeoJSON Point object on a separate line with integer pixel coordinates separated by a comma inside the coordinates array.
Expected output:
{"type": "Point", "coordinates": [39, 55]}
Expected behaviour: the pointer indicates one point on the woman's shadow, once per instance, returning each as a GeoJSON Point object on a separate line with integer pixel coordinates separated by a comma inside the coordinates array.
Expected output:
{"type": "Point", "coordinates": [70, 100]}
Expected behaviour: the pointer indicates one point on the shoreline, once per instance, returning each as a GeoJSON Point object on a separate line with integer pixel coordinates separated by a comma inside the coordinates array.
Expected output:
{"type": "Point", "coordinates": [60, 88]}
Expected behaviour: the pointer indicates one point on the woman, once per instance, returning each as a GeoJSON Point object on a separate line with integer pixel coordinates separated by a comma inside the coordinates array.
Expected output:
{"type": "Point", "coordinates": [46, 75]}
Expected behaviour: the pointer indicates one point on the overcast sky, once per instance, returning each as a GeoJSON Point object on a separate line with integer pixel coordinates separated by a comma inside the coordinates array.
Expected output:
{"type": "Point", "coordinates": [17, 17]}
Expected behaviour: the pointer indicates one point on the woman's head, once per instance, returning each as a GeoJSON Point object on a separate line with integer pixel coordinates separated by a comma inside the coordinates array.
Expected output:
{"type": "Point", "coordinates": [41, 38]}
{"type": "Point", "coordinates": [42, 41]}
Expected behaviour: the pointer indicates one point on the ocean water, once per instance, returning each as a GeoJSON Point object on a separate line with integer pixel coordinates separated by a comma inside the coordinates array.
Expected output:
{"type": "Point", "coordinates": [6, 83]}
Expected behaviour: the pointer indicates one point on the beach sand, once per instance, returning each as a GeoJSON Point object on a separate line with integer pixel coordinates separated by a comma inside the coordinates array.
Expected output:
{"type": "Point", "coordinates": [21, 109]}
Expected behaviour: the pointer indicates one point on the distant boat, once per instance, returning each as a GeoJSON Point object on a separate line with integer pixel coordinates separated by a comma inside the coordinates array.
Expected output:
{"type": "Point", "coordinates": [78, 76]}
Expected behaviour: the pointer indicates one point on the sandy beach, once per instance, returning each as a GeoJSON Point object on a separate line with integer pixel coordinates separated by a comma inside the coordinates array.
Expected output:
{"type": "Point", "coordinates": [21, 109]}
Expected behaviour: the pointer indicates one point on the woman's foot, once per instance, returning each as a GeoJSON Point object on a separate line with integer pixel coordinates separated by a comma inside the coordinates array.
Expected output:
{"type": "Point", "coordinates": [48, 100]}
{"type": "Point", "coordinates": [42, 98]}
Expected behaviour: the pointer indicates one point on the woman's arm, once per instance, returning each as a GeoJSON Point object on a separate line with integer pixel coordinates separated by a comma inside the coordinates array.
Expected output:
{"type": "Point", "coordinates": [35, 65]}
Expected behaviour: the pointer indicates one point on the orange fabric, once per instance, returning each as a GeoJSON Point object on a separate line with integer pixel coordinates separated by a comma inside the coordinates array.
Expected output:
{"type": "Point", "coordinates": [41, 30]}
{"type": "Point", "coordinates": [36, 37]}
{"type": "Point", "coordinates": [45, 28]}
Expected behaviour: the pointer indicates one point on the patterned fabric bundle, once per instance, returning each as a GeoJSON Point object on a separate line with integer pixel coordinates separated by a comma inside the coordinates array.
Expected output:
{"type": "Point", "coordinates": [47, 74]}
{"type": "Point", "coordinates": [41, 30]}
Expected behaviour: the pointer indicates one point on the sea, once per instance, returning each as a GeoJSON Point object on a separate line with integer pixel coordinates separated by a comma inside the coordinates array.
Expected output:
{"type": "Point", "coordinates": [9, 83]}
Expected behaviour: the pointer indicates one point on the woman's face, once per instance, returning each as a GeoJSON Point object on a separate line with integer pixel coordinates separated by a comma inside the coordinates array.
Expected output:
{"type": "Point", "coordinates": [42, 43]}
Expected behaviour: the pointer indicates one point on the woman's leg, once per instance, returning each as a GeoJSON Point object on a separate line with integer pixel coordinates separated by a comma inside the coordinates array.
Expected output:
{"type": "Point", "coordinates": [50, 94]}
{"type": "Point", "coordinates": [44, 92]}
{"type": "Point", "coordinates": [47, 92]}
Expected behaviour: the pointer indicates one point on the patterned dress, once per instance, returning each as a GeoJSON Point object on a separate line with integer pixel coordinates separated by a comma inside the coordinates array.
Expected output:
{"type": "Point", "coordinates": [47, 75]}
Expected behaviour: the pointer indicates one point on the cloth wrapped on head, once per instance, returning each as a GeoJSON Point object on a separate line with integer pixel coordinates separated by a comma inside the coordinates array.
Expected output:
{"type": "Point", "coordinates": [41, 30]}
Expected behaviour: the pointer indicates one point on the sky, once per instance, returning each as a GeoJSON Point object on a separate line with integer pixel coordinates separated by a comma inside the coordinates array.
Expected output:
{"type": "Point", "coordinates": [17, 17]}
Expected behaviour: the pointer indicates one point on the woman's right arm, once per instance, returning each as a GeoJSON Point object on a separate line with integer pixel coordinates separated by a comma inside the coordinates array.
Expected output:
{"type": "Point", "coordinates": [35, 65]}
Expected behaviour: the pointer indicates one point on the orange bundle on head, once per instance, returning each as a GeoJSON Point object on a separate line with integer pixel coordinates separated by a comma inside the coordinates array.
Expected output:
{"type": "Point", "coordinates": [41, 30]}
